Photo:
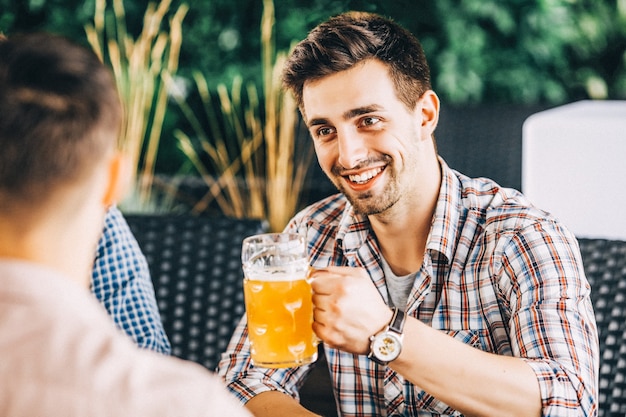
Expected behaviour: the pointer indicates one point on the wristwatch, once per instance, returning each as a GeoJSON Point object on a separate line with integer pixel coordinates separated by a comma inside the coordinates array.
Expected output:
{"type": "Point", "coordinates": [386, 345]}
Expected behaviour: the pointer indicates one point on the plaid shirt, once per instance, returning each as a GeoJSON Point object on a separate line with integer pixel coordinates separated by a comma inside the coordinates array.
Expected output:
{"type": "Point", "coordinates": [498, 274]}
{"type": "Point", "coordinates": [121, 282]}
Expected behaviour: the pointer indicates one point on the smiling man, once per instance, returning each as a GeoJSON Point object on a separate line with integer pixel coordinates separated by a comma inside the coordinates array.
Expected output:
{"type": "Point", "coordinates": [434, 293]}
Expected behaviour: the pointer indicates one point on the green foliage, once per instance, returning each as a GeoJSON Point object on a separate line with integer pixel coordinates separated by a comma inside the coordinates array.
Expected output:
{"type": "Point", "coordinates": [512, 51]}
{"type": "Point", "coordinates": [66, 17]}
{"type": "Point", "coordinates": [521, 51]}
{"type": "Point", "coordinates": [517, 51]}
{"type": "Point", "coordinates": [542, 51]}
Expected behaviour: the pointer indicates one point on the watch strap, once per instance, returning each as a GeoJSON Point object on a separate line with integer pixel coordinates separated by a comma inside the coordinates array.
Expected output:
{"type": "Point", "coordinates": [397, 321]}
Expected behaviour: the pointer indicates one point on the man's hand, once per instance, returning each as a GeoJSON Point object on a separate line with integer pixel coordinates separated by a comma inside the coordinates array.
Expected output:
{"type": "Point", "coordinates": [348, 308]}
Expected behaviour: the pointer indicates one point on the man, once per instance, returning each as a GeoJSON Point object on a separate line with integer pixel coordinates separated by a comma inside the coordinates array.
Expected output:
{"type": "Point", "coordinates": [59, 172]}
{"type": "Point", "coordinates": [121, 282]}
{"type": "Point", "coordinates": [434, 293]}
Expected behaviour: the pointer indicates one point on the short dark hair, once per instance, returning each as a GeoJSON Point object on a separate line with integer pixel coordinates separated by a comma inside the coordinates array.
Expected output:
{"type": "Point", "coordinates": [347, 39]}
{"type": "Point", "coordinates": [59, 113]}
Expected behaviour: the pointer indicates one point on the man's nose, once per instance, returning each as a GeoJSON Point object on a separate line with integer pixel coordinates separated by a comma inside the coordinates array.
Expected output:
{"type": "Point", "coordinates": [352, 148]}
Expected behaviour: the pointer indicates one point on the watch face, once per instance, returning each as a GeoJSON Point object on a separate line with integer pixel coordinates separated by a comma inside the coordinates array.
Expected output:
{"type": "Point", "coordinates": [386, 347]}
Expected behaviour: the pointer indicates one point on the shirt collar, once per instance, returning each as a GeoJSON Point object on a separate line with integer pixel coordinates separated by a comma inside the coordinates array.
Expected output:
{"type": "Point", "coordinates": [444, 230]}
{"type": "Point", "coordinates": [354, 230]}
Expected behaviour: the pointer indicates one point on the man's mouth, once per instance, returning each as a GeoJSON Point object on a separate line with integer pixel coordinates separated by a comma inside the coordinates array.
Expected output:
{"type": "Point", "coordinates": [365, 177]}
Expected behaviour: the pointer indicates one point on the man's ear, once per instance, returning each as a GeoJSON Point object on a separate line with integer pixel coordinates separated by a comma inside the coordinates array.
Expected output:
{"type": "Point", "coordinates": [430, 109]}
{"type": "Point", "coordinates": [119, 178]}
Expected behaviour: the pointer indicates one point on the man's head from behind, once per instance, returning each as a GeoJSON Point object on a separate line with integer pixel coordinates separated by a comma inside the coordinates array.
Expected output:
{"type": "Point", "coordinates": [59, 117]}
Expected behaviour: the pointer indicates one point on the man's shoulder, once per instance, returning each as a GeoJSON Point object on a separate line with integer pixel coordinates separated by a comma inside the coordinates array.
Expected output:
{"type": "Point", "coordinates": [63, 322]}
{"type": "Point", "coordinates": [500, 208]}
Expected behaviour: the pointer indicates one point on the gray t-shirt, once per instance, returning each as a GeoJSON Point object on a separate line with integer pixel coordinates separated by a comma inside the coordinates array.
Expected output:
{"type": "Point", "coordinates": [399, 287]}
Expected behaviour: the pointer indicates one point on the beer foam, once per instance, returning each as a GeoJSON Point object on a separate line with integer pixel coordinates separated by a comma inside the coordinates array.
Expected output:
{"type": "Point", "coordinates": [292, 271]}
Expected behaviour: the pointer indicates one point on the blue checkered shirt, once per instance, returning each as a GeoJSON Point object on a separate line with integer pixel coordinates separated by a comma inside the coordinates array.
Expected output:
{"type": "Point", "coordinates": [498, 274]}
{"type": "Point", "coordinates": [121, 282]}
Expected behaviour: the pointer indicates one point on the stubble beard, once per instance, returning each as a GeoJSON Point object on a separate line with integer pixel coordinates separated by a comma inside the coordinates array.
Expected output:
{"type": "Point", "coordinates": [368, 203]}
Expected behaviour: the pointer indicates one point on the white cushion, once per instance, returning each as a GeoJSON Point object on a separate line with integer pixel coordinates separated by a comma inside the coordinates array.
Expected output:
{"type": "Point", "coordinates": [574, 165]}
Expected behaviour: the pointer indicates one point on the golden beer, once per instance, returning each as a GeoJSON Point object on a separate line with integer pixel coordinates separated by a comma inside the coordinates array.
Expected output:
{"type": "Point", "coordinates": [280, 316]}
{"type": "Point", "coordinates": [278, 298]}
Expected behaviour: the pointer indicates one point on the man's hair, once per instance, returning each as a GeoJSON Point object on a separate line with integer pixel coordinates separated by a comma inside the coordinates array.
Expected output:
{"type": "Point", "coordinates": [347, 39]}
{"type": "Point", "coordinates": [59, 113]}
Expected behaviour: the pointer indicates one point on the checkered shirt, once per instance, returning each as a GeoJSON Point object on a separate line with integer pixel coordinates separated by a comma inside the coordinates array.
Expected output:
{"type": "Point", "coordinates": [498, 274]}
{"type": "Point", "coordinates": [121, 282]}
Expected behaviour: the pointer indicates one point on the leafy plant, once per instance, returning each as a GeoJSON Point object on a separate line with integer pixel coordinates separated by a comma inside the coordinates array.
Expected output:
{"type": "Point", "coordinates": [249, 141]}
{"type": "Point", "coordinates": [143, 68]}
{"type": "Point", "coordinates": [551, 51]}
{"type": "Point", "coordinates": [480, 51]}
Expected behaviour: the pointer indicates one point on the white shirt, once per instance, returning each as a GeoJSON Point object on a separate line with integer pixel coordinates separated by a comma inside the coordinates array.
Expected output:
{"type": "Point", "coordinates": [61, 355]}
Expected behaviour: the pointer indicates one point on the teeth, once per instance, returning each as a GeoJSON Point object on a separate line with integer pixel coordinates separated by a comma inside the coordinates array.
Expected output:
{"type": "Point", "coordinates": [365, 176]}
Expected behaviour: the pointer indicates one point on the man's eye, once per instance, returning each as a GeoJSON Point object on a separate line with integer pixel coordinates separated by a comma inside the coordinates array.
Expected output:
{"type": "Point", "coordinates": [324, 132]}
{"type": "Point", "coordinates": [369, 121]}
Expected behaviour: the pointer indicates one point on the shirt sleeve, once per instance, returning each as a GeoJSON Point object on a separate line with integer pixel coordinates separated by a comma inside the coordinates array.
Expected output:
{"type": "Point", "coordinates": [246, 381]}
{"type": "Point", "coordinates": [552, 320]}
{"type": "Point", "coordinates": [121, 282]}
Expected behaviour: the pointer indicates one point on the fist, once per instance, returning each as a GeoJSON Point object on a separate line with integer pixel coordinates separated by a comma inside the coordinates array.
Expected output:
{"type": "Point", "coordinates": [348, 308]}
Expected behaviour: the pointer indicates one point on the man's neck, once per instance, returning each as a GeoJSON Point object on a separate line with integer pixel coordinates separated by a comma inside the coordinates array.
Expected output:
{"type": "Point", "coordinates": [402, 232]}
{"type": "Point", "coordinates": [46, 244]}
{"type": "Point", "coordinates": [403, 243]}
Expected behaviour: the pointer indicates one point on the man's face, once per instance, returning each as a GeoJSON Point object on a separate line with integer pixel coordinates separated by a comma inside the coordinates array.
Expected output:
{"type": "Point", "coordinates": [367, 142]}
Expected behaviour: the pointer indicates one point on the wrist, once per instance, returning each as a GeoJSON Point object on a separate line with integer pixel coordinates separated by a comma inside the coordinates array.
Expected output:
{"type": "Point", "coordinates": [386, 320]}
{"type": "Point", "coordinates": [386, 345]}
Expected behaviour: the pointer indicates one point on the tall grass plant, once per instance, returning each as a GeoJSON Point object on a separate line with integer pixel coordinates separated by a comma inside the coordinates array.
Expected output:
{"type": "Point", "coordinates": [244, 142]}
{"type": "Point", "coordinates": [143, 68]}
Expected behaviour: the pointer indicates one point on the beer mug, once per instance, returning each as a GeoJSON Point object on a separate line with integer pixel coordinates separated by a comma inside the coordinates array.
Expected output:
{"type": "Point", "coordinates": [278, 300]}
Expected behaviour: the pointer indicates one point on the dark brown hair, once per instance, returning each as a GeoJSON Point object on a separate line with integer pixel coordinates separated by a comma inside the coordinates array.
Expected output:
{"type": "Point", "coordinates": [59, 113]}
{"type": "Point", "coordinates": [345, 40]}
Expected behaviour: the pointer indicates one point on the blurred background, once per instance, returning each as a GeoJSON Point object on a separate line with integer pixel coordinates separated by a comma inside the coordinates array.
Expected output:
{"type": "Point", "coordinates": [501, 54]}
{"type": "Point", "coordinates": [479, 50]}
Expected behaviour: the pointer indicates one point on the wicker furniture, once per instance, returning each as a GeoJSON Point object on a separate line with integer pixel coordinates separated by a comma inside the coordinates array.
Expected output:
{"type": "Point", "coordinates": [196, 269]}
